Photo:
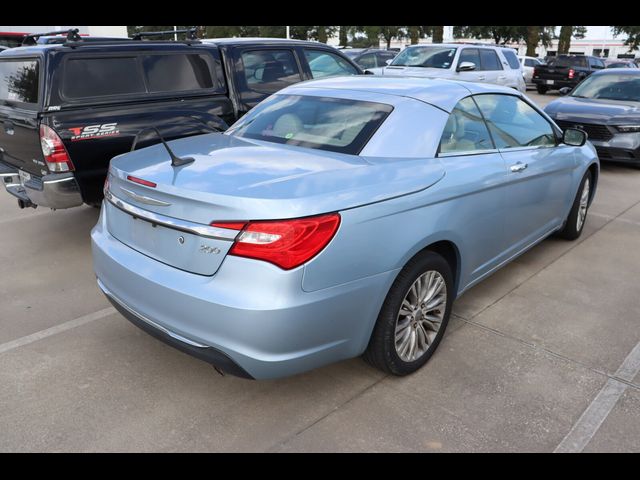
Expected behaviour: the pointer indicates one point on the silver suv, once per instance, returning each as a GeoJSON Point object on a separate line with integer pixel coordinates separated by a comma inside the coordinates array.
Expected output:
{"type": "Point", "coordinates": [470, 62]}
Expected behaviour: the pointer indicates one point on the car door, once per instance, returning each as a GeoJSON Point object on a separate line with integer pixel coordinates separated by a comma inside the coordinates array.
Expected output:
{"type": "Point", "coordinates": [470, 55]}
{"type": "Point", "coordinates": [261, 72]}
{"type": "Point", "coordinates": [477, 175]}
{"type": "Point", "coordinates": [539, 169]}
{"type": "Point", "coordinates": [492, 68]}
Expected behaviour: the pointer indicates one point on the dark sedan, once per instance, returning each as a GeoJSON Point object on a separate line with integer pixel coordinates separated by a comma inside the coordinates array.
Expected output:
{"type": "Point", "coordinates": [369, 57]}
{"type": "Point", "coordinates": [606, 105]}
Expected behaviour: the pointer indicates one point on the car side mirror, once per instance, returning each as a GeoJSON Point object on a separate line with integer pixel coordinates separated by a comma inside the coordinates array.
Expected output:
{"type": "Point", "coordinates": [565, 90]}
{"type": "Point", "coordinates": [368, 72]}
{"type": "Point", "coordinates": [574, 137]}
{"type": "Point", "coordinates": [466, 67]}
{"type": "Point", "coordinates": [388, 62]}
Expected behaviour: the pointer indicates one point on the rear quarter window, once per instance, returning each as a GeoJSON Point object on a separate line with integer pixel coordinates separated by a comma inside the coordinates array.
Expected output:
{"type": "Point", "coordinates": [512, 59]}
{"type": "Point", "coordinates": [19, 81]}
{"type": "Point", "coordinates": [101, 77]}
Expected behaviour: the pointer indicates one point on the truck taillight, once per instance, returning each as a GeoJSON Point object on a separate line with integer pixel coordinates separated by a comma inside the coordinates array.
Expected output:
{"type": "Point", "coordinates": [285, 243]}
{"type": "Point", "coordinates": [55, 154]}
{"type": "Point", "coordinates": [535, 72]}
{"type": "Point", "coordinates": [571, 72]}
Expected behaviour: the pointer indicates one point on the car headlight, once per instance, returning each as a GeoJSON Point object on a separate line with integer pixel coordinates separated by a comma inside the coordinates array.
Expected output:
{"type": "Point", "coordinates": [628, 128]}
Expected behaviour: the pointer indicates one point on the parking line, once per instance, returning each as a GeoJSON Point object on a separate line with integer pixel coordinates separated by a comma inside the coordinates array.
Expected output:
{"type": "Point", "coordinates": [597, 412]}
{"type": "Point", "coordinates": [34, 337]}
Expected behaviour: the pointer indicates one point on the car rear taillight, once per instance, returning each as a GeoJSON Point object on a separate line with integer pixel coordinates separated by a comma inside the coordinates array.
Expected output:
{"type": "Point", "coordinates": [285, 243]}
{"type": "Point", "coordinates": [535, 72]}
{"type": "Point", "coordinates": [55, 154]}
{"type": "Point", "coordinates": [571, 72]}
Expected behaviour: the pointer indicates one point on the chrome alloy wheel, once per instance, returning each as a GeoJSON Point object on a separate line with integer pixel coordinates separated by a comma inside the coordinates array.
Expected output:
{"type": "Point", "coordinates": [584, 202]}
{"type": "Point", "coordinates": [420, 316]}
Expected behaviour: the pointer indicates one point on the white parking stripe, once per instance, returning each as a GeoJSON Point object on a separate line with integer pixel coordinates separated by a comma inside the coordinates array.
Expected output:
{"type": "Point", "coordinates": [34, 337]}
{"type": "Point", "coordinates": [597, 412]}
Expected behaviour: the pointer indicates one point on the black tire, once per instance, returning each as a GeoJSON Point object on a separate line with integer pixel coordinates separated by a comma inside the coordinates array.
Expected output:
{"type": "Point", "coordinates": [381, 351]}
{"type": "Point", "coordinates": [541, 89]}
{"type": "Point", "coordinates": [570, 231]}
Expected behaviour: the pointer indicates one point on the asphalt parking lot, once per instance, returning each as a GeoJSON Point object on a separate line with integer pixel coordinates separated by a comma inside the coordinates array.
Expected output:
{"type": "Point", "coordinates": [542, 356]}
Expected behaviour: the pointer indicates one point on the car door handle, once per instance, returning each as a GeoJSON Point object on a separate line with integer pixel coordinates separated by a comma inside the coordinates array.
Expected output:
{"type": "Point", "coordinates": [481, 77]}
{"type": "Point", "coordinates": [518, 167]}
{"type": "Point", "coordinates": [502, 77]}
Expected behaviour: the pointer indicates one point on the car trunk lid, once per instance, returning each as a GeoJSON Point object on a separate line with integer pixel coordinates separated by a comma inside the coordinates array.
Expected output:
{"type": "Point", "coordinates": [233, 179]}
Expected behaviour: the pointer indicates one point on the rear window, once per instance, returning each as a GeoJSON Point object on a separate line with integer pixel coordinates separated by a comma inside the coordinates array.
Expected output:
{"type": "Point", "coordinates": [101, 77]}
{"type": "Point", "coordinates": [568, 62]}
{"type": "Point", "coordinates": [19, 81]}
{"type": "Point", "coordinates": [323, 123]}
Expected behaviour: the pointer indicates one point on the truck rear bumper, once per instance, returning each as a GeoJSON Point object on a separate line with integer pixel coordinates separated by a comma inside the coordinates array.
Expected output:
{"type": "Point", "coordinates": [57, 190]}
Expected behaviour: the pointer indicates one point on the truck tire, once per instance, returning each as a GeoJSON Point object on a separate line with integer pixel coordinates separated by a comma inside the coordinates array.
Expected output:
{"type": "Point", "coordinates": [542, 89]}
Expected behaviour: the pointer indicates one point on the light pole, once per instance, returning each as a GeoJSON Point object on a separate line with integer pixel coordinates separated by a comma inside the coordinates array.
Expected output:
{"type": "Point", "coordinates": [288, 33]}
{"type": "Point", "coordinates": [175, 35]}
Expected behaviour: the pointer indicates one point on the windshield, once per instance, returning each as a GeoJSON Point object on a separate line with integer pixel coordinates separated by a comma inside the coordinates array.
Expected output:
{"type": "Point", "coordinates": [431, 57]}
{"type": "Point", "coordinates": [323, 123]}
{"type": "Point", "coordinates": [610, 87]}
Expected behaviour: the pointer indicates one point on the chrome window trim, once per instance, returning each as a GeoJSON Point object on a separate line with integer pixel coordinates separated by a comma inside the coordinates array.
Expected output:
{"type": "Point", "coordinates": [467, 153]}
{"type": "Point", "coordinates": [206, 231]}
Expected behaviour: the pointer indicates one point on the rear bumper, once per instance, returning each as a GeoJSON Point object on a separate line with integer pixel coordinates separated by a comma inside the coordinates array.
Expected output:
{"type": "Point", "coordinates": [557, 84]}
{"type": "Point", "coordinates": [56, 190]}
{"type": "Point", "coordinates": [250, 314]}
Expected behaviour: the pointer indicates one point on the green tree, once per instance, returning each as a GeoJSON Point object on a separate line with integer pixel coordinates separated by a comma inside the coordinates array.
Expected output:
{"type": "Point", "coordinates": [632, 33]}
{"type": "Point", "coordinates": [386, 33]}
{"type": "Point", "coordinates": [499, 34]}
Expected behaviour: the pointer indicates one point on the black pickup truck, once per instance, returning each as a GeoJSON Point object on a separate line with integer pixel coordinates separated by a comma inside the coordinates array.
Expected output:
{"type": "Point", "coordinates": [67, 108]}
{"type": "Point", "coordinates": [564, 71]}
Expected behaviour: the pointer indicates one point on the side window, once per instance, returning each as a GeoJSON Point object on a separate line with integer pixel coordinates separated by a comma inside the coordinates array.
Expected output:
{"type": "Point", "coordinates": [529, 63]}
{"type": "Point", "coordinates": [489, 60]}
{"type": "Point", "coordinates": [470, 55]}
{"type": "Point", "coordinates": [514, 123]}
{"type": "Point", "coordinates": [511, 57]}
{"type": "Point", "coordinates": [267, 71]}
{"type": "Point", "coordinates": [465, 130]}
{"type": "Point", "coordinates": [101, 77]}
{"type": "Point", "coordinates": [383, 57]}
{"type": "Point", "coordinates": [179, 72]}
{"type": "Point", "coordinates": [326, 64]}
{"type": "Point", "coordinates": [597, 63]}
{"type": "Point", "coordinates": [368, 60]}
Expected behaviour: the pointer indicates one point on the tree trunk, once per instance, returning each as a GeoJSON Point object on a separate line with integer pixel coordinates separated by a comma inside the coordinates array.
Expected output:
{"type": "Point", "coordinates": [414, 35]}
{"type": "Point", "coordinates": [533, 38]}
{"type": "Point", "coordinates": [388, 42]}
{"type": "Point", "coordinates": [343, 36]}
{"type": "Point", "coordinates": [438, 34]}
{"type": "Point", "coordinates": [322, 34]}
{"type": "Point", "coordinates": [564, 41]}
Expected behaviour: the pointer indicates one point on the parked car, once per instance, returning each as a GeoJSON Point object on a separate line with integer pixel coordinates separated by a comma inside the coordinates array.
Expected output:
{"type": "Point", "coordinates": [369, 57]}
{"type": "Point", "coordinates": [12, 39]}
{"type": "Point", "coordinates": [3, 48]}
{"type": "Point", "coordinates": [67, 109]}
{"type": "Point", "coordinates": [528, 64]}
{"type": "Point", "coordinates": [606, 106]}
{"type": "Point", "coordinates": [564, 71]}
{"type": "Point", "coordinates": [339, 217]}
{"type": "Point", "coordinates": [620, 64]}
{"type": "Point", "coordinates": [471, 62]}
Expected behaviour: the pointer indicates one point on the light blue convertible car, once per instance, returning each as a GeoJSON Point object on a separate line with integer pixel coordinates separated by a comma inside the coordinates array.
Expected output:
{"type": "Point", "coordinates": [340, 217]}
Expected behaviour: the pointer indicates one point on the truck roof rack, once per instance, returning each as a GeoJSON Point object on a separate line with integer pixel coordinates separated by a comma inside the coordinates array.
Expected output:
{"type": "Point", "coordinates": [73, 35]}
{"type": "Point", "coordinates": [190, 31]}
